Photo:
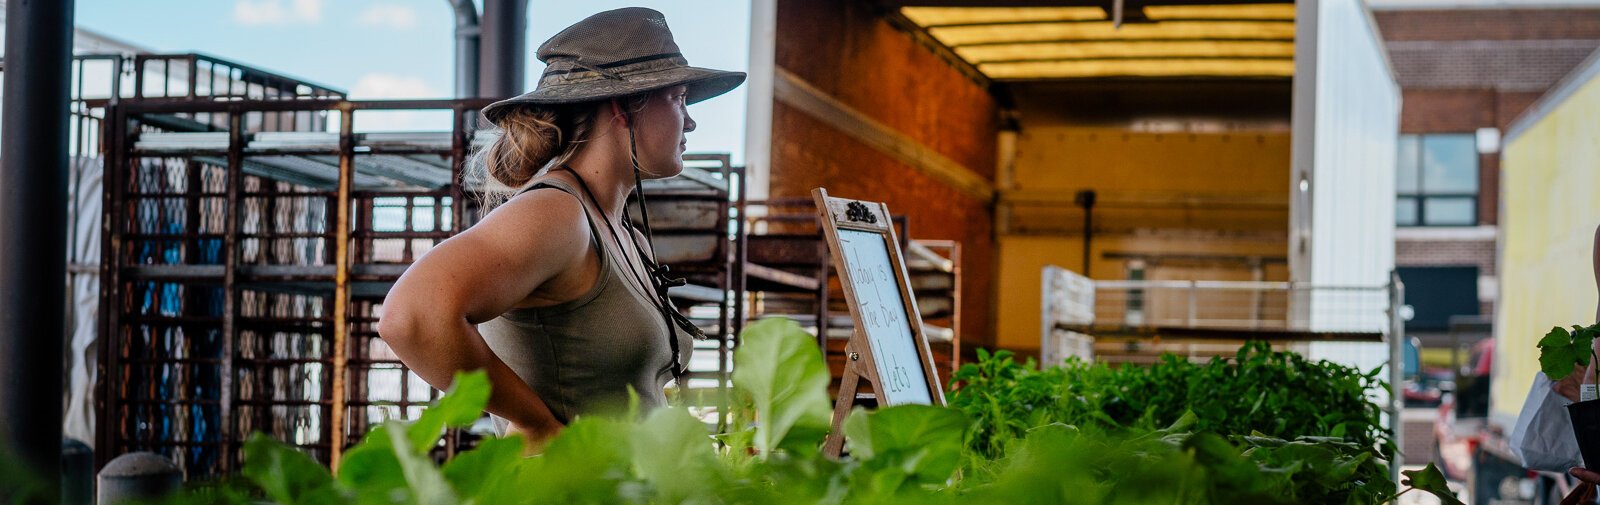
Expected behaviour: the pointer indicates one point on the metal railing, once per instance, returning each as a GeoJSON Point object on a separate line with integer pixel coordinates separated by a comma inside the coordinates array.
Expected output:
{"type": "Point", "coordinates": [1319, 312]}
{"type": "Point", "coordinates": [1242, 305]}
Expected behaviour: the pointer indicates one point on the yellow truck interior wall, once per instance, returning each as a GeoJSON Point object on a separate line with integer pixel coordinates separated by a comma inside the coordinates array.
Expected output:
{"type": "Point", "coordinates": [1550, 178]}
{"type": "Point", "coordinates": [1022, 257]}
{"type": "Point", "coordinates": [1107, 158]}
{"type": "Point", "coordinates": [1117, 163]}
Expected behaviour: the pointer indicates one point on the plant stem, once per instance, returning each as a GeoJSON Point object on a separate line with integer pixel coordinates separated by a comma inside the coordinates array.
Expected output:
{"type": "Point", "coordinates": [1397, 495]}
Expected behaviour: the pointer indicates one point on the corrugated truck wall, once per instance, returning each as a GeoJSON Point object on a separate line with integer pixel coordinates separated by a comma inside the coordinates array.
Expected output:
{"type": "Point", "coordinates": [1342, 212]}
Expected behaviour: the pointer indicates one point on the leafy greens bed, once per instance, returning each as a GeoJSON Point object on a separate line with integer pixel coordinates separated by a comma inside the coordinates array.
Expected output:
{"type": "Point", "coordinates": [1265, 428]}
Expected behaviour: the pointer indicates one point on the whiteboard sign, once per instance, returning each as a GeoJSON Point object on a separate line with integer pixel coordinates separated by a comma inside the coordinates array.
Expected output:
{"type": "Point", "coordinates": [883, 318]}
{"type": "Point", "coordinates": [888, 349]}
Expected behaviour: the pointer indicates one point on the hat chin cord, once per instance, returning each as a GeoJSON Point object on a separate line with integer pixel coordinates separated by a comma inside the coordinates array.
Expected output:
{"type": "Point", "coordinates": [657, 273]}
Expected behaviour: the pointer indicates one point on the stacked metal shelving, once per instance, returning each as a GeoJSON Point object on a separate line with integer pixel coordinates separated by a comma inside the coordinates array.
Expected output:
{"type": "Point", "coordinates": [249, 242]}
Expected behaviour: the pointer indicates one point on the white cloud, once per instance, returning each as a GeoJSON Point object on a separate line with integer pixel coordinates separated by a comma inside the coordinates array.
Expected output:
{"type": "Point", "coordinates": [258, 12]}
{"type": "Point", "coordinates": [274, 12]}
{"type": "Point", "coordinates": [390, 16]}
{"type": "Point", "coordinates": [379, 86]}
{"type": "Point", "coordinates": [308, 10]}
{"type": "Point", "coordinates": [388, 86]}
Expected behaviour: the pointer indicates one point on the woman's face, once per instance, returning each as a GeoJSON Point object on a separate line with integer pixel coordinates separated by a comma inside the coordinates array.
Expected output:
{"type": "Point", "coordinates": [659, 130]}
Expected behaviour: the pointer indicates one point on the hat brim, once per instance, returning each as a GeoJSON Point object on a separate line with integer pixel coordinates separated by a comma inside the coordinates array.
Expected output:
{"type": "Point", "coordinates": [703, 83]}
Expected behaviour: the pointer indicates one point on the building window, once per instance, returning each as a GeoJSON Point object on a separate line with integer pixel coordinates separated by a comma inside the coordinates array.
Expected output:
{"type": "Point", "coordinates": [1438, 293]}
{"type": "Point", "coordinates": [1437, 180]}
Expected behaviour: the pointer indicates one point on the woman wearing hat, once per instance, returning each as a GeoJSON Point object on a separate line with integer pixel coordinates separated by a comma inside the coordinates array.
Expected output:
{"type": "Point", "coordinates": [554, 292]}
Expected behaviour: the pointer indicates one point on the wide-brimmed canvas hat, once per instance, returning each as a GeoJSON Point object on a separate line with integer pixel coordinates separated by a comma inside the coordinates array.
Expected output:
{"type": "Point", "coordinates": [614, 54]}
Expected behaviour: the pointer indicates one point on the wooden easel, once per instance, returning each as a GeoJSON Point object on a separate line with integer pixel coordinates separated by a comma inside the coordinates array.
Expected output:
{"type": "Point", "coordinates": [874, 280]}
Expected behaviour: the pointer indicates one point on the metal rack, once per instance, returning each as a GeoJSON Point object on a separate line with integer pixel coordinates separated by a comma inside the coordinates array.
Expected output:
{"type": "Point", "coordinates": [787, 264]}
{"type": "Point", "coordinates": [170, 251]}
{"type": "Point", "coordinates": [935, 268]}
{"type": "Point", "coordinates": [699, 235]}
{"type": "Point", "coordinates": [245, 271]}
{"type": "Point", "coordinates": [245, 266]}
{"type": "Point", "coordinates": [790, 274]}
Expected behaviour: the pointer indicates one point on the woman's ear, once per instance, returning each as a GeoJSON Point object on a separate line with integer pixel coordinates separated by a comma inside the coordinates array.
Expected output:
{"type": "Point", "coordinates": [619, 112]}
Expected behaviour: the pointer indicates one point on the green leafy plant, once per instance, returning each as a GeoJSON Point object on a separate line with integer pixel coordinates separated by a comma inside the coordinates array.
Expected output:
{"type": "Point", "coordinates": [1279, 394]}
{"type": "Point", "coordinates": [787, 382]}
{"type": "Point", "coordinates": [1112, 451]}
{"type": "Point", "coordinates": [1561, 351]}
{"type": "Point", "coordinates": [1429, 480]}
{"type": "Point", "coordinates": [1268, 422]}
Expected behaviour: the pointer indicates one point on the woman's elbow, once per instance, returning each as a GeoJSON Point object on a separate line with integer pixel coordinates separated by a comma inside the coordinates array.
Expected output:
{"type": "Point", "coordinates": [397, 326]}
{"type": "Point", "coordinates": [419, 327]}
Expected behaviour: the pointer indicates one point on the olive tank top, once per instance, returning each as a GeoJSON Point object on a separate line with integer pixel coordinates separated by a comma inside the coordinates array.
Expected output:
{"type": "Point", "coordinates": [585, 353]}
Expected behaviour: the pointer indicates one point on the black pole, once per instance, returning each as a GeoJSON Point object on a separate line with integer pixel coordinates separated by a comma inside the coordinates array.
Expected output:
{"type": "Point", "coordinates": [33, 239]}
{"type": "Point", "coordinates": [503, 42]}
{"type": "Point", "coordinates": [467, 47]}
{"type": "Point", "coordinates": [1086, 200]}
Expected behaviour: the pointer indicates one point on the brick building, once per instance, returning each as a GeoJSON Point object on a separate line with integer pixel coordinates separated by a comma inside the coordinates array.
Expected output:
{"type": "Point", "coordinates": [1466, 69]}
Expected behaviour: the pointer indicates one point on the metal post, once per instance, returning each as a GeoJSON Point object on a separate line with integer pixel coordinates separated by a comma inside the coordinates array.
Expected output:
{"type": "Point", "coordinates": [504, 40]}
{"type": "Point", "coordinates": [1258, 275]}
{"type": "Point", "coordinates": [1194, 287]}
{"type": "Point", "coordinates": [77, 473]}
{"type": "Point", "coordinates": [341, 282]}
{"type": "Point", "coordinates": [467, 48]}
{"type": "Point", "coordinates": [231, 223]}
{"type": "Point", "coordinates": [33, 239]}
{"type": "Point", "coordinates": [1397, 331]}
{"type": "Point", "coordinates": [1086, 199]}
{"type": "Point", "coordinates": [113, 136]}
{"type": "Point", "coordinates": [137, 478]}
{"type": "Point", "coordinates": [1046, 318]}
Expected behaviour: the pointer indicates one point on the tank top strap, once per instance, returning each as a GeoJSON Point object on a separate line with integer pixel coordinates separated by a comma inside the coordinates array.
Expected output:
{"type": "Point", "coordinates": [594, 231]}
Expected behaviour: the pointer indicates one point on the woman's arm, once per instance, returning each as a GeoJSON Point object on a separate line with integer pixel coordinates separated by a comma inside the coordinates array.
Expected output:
{"type": "Point", "coordinates": [1570, 386]}
{"type": "Point", "coordinates": [430, 315]}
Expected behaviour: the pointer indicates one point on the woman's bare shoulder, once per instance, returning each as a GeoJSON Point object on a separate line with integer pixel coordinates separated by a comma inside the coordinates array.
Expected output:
{"type": "Point", "coordinates": [488, 268]}
{"type": "Point", "coordinates": [545, 209]}
{"type": "Point", "coordinates": [542, 225]}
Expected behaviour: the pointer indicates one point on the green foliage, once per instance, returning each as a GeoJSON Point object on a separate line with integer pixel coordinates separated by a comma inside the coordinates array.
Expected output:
{"type": "Point", "coordinates": [910, 444]}
{"type": "Point", "coordinates": [288, 476]}
{"type": "Point", "coordinates": [474, 473]}
{"type": "Point", "coordinates": [1304, 429]}
{"type": "Point", "coordinates": [427, 483]}
{"type": "Point", "coordinates": [1279, 394]}
{"type": "Point", "coordinates": [784, 376]}
{"type": "Point", "coordinates": [1561, 351]}
{"type": "Point", "coordinates": [460, 406]}
{"type": "Point", "coordinates": [21, 483]}
{"type": "Point", "coordinates": [1009, 441]}
{"type": "Point", "coordinates": [672, 452]}
{"type": "Point", "coordinates": [1432, 481]}
{"type": "Point", "coordinates": [391, 464]}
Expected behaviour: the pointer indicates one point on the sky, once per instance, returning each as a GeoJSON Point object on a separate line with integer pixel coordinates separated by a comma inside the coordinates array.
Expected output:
{"type": "Point", "coordinates": [405, 48]}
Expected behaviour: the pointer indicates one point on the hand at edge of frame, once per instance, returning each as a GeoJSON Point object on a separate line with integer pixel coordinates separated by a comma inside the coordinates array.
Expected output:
{"type": "Point", "coordinates": [1585, 474]}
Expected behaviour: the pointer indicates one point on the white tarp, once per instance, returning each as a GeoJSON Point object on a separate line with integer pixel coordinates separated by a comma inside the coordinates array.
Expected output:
{"type": "Point", "coordinates": [84, 292]}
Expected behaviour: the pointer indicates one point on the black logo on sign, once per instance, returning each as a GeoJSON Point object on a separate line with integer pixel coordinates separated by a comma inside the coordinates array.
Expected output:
{"type": "Point", "coordinates": [856, 212]}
